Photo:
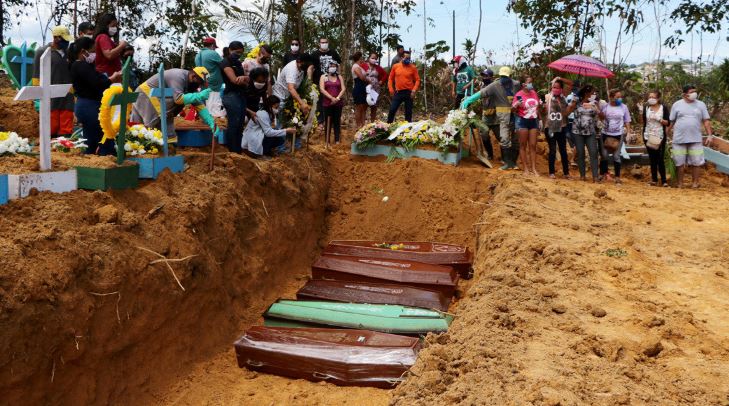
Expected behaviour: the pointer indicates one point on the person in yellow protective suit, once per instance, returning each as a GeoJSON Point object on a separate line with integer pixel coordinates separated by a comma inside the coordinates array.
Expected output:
{"type": "Point", "coordinates": [185, 85]}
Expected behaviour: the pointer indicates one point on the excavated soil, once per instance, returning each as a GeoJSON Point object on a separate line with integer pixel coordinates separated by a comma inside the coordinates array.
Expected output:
{"type": "Point", "coordinates": [19, 117]}
{"type": "Point", "coordinates": [549, 318]}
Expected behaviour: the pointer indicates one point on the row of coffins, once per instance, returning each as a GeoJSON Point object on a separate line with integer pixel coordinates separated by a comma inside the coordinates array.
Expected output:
{"type": "Point", "coordinates": [360, 318]}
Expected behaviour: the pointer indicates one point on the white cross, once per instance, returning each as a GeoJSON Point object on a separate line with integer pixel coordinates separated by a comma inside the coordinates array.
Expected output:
{"type": "Point", "coordinates": [45, 92]}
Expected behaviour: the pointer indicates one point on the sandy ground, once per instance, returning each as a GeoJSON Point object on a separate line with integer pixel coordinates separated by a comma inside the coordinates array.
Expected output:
{"type": "Point", "coordinates": [549, 318]}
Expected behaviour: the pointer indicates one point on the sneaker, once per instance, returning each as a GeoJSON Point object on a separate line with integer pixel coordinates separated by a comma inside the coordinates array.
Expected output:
{"type": "Point", "coordinates": [551, 176]}
{"type": "Point", "coordinates": [505, 167]}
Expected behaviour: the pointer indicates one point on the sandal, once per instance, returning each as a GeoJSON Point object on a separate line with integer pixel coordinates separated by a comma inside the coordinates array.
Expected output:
{"type": "Point", "coordinates": [551, 176]}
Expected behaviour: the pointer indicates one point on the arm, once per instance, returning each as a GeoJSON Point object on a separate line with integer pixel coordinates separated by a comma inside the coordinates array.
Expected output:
{"type": "Point", "coordinates": [391, 80]}
{"type": "Point", "coordinates": [297, 97]}
{"type": "Point", "coordinates": [323, 89]}
{"type": "Point", "coordinates": [358, 71]}
{"type": "Point", "coordinates": [265, 122]}
{"type": "Point", "coordinates": [238, 80]}
{"type": "Point", "coordinates": [417, 82]}
{"type": "Point", "coordinates": [104, 43]}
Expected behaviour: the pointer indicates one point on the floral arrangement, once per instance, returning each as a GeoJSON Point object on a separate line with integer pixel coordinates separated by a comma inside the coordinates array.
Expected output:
{"type": "Point", "coordinates": [142, 140]}
{"type": "Point", "coordinates": [370, 134]}
{"type": "Point", "coordinates": [73, 144]}
{"type": "Point", "coordinates": [110, 126]}
{"type": "Point", "coordinates": [393, 247]}
{"type": "Point", "coordinates": [11, 143]}
{"type": "Point", "coordinates": [293, 116]}
{"type": "Point", "coordinates": [255, 51]}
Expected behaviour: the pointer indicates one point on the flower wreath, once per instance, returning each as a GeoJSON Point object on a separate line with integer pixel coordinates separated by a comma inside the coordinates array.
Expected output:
{"type": "Point", "coordinates": [255, 51]}
{"type": "Point", "coordinates": [109, 126]}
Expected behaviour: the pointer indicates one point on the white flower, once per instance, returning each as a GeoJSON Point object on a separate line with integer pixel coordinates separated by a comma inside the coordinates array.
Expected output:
{"type": "Point", "coordinates": [472, 114]}
{"type": "Point", "coordinates": [127, 147]}
{"type": "Point", "coordinates": [385, 199]}
{"type": "Point", "coordinates": [295, 120]}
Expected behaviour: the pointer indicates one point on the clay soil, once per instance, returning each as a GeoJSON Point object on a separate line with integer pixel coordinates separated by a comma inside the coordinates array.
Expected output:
{"type": "Point", "coordinates": [583, 294]}
{"type": "Point", "coordinates": [19, 117]}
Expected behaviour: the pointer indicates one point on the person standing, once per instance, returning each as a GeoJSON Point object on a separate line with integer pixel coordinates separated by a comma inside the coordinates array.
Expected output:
{"type": "Point", "coordinates": [209, 58]}
{"type": "Point", "coordinates": [616, 129]}
{"type": "Point", "coordinates": [399, 55]}
{"type": "Point", "coordinates": [359, 92]}
{"type": "Point", "coordinates": [488, 115]}
{"type": "Point", "coordinates": [463, 78]}
{"type": "Point", "coordinates": [108, 47]}
{"type": "Point", "coordinates": [85, 29]}
{"type": "Point", "coordinates": [293, 53]}
{"type": "Point", "coordinates": [89, 86]}
{"type": "Point", "coordinates": [262, 60]}
{"type": "Point", "coordinates": [61, 107]}
{"type": "Point", "coordinates": [556, 124]}
{"type": "Point", "coordinates": [289, 79]}
{"type": "Point", "coordinates": [332, 90]}
{"type": "Point", "coordinates": [236, 84]}
{"type": "Point", "coordinates": [260, 137]}
{"type": "Point", "coordinates": [256, 91]}
{"type": "Point", "coordinates": [656, 119]}
{"type": "Point", "coordinates": [687, 116]}
{"type": "Point", "coordinates": [526, 103]}
{"type": "Point", "coordinates": [403, 84]}
{"type": "Point", "coordinates": [376, 78]}
{"type": "Point", "coordinates": [584, 129]}
{"type": "Point", "coordinates": [500, 95]}
{"type": "Point", "coordinates": [322, 57]}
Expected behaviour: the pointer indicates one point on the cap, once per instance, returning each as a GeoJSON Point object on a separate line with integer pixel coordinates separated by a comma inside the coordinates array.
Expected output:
{"type": "Point", "coordinates": [487, 72]}
{"type": "Point", "coordinates": [505, 71]}
{"type": "Point", "coordinates": [210, 41]}
{"type": "Point", "coordinates": [62, 31]}
{"type": "Point", "coordinates": [200, 71]}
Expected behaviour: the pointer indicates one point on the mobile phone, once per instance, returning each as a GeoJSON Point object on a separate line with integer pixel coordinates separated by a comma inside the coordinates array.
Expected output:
{"type": "Point", "coordinates": [518, 98]}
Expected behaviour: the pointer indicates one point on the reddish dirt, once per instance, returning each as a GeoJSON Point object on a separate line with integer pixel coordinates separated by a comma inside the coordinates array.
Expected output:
{"type": "Point", "coordinates": [19, 117]}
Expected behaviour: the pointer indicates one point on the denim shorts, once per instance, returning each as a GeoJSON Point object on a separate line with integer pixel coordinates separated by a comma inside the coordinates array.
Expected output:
{"type": "Point", "coordinates": [527, 123]}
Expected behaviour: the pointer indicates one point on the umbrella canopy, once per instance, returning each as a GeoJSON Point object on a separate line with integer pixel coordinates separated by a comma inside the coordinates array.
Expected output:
{"type": "Point", "coordinates": [582, 65]}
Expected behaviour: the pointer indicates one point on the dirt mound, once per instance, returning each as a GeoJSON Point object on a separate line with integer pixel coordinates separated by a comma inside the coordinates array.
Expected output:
{"type": "Point", "coordinates": [19, 116]}
{"type": "Point", "coordinates": [588, 295]}
{"type": "Point", "coordinates": [87, 318]}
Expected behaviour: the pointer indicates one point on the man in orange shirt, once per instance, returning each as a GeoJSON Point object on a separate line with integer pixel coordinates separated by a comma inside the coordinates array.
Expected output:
{"type": "Point", "coordinates": [406, 83]}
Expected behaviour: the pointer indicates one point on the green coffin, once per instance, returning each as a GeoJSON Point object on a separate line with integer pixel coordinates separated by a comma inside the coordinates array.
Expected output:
{"type": "Point", "coordinates": [384, 318]}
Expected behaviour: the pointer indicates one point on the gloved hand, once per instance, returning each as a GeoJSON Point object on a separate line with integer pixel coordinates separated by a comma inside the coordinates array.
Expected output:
{"type": "Point", "coordinates": [207, 118]}
{"type": "Point", "coordinates": [199, 97]}
{"type": "Point", "coordinates": [470, 100]}
{"type": "Point", "coordinates": [220, 136]}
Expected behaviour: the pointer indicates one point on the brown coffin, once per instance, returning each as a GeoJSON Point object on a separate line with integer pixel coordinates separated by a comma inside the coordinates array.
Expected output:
{"type": "Point", "coordinates": [459, 257]}
{"type": "Point", "coordinates": [342, 357]}
{"type": "Point", "coordinates": [373, 293]}
{"type": "Point", "coordinates": [407, 273]}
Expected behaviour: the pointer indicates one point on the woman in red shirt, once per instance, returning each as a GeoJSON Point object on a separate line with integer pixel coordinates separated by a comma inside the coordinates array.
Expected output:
{"type": "Point", "coordinates": [107, 44]}
{"type": "Point", "coordinates": [526, 104]}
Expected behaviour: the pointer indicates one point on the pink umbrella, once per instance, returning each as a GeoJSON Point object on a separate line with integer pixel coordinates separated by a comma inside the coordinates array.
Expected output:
{"type": "Point", "coordinates": [582, 65]}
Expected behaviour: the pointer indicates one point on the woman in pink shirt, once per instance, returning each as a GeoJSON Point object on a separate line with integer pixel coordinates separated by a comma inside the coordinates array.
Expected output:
{"type": "Point", "coordinates": [107, 45]}
{"type": "Point", "coordinates": [526, 105]}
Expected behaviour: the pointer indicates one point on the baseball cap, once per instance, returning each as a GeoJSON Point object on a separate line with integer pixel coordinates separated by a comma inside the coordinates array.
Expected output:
{"type": "Point", "coordinates": [62, 31]}
{"type": "Point", "coordinates": [200, 71]}
{"type": "Point", "coordinates": [505, 71]}
{"type": "Point", "coordinates": [209, 41]}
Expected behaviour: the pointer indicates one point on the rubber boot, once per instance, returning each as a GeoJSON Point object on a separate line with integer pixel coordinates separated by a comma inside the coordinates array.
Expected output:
{"type": "Point", "coordinates": [514, 157]}
{"type": "Point", "coordinates": [505, 159]}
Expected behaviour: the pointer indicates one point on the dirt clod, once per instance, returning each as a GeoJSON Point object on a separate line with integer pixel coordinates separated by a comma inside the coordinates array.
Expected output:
{"type": "Point", "coordinates": [107, 214]}
{"type": "Point", "coordinates": [653, 349]}
{"type": "Point", "coordinates": [598, 312]}
{"type": "Point", "coordinates": [559, 309]}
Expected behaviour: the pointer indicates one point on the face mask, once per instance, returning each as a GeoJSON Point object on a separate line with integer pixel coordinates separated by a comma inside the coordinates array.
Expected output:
{"type": "Point", "coordinates": [265, 61]}
{"type": "Point", "coordinates": [294, 48]}
{"type": "Point", "coordinates": [693, 96]}
{"type": "Point", "coordinates": [324, 46]}
{"type": "Point", "coordinates": [406, 61]}
{"type": "Point", "coordinates": [113, 31]}
{"type": "Point", "coordinates": [90, 58]}
{"type": "Point", "coordinates": [618, 102]}
{"type": "Point", "coordinates": [373, 61]}
{"type": "Point", "coordinates": [63, 44]}
{"type": "Point", "coordinates": [275, 111]}
{"type": "Point", "coordinates": [234, 57]}
{"type": "Point", "coordinates": [529, 86]}
{"type": "Point", "coordinates": [593, 98]}
{"type": "Point", "coordinates": [192, 87]}
{"type": "Point", "coordinates": [487, 80]}
{"type": "Point", "coordinates": [557, 92]}
{"type": "Point", "coordinates": [332, 70]}
{"type": "Point", "coordinates": [259, 86]}
{"type": "Point", "coordinates": [652, 101]}
{"type": "Point", "coordinates": [89, 36]}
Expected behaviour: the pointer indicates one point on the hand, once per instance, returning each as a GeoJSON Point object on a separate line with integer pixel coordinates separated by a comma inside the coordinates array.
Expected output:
{"type": "Point", "coordinates": [115, 77]}
{"type": "Point", "coordinates": [305, 108]}
{"type": "Point", "coordinates": [242, 80]}
{"type": "Point", "coordinates": [123, 43]}
{"type": "Point", "coordinates": [413, 93]}
{"type": "Point", "coordinates": [253, 117]}
{"type": "Point", "coordinates": [290, 131]}
{"type": "Point", "coordinates": [709, 139]}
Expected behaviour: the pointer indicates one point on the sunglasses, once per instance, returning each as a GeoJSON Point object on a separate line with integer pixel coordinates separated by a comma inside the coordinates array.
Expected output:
{"type": "Point", "coordinates": [294, 43]}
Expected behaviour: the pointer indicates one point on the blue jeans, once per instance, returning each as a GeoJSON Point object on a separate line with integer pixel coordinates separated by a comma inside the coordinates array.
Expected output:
{"type": "Point", "coordinates": [87, 113]}
{"type": "Point", "coordinates": [271, 143]}
{"type": "Point", "coordinates": [589, 141]}
{"type": "Point", "coordinates": [526, 123]}
{"type": "Point", "coordinates": [235, 109]}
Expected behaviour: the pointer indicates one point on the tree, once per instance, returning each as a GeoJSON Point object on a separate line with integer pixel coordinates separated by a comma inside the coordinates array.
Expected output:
{"type": "Point", "coordinates": [703, 17]}
{"type": "Point", "coordinates": [5, 8]}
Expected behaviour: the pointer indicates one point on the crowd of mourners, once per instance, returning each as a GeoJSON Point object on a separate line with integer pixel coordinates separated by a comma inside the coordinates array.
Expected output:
{"type": "Point", "coordinates": [243, 88]}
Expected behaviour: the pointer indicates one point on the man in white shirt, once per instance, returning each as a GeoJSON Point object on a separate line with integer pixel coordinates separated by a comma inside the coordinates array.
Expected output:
{"type": "Point", "coordinates": [289, 80]}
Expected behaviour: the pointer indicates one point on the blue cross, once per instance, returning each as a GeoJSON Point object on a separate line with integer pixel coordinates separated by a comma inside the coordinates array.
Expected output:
{"type": "Point", "coordinates": [24, 61]}
{"type": "Point", "coordinates": [162, 93]}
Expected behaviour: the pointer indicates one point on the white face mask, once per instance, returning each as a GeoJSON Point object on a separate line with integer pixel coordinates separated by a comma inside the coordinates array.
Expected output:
{"type": "Point", "coordinates": [275, 111]}
{"type": "Point", "coordinates": [113, 31]}
{"type": "Point", "coordinates": [294, 48]}
{"type": "Point", "coordinates": [89, 36]}
{"type": "Point", "coordinates": [90, 58]}
{"type": "Point", "coordinates": [593, 98]}
{"type": "Point", "coordinates": [259, 86]}
{"type": "Point", "coordinates": [324, 46]}
{"type": "Point", "coordinates": [693, 96]}
{"type": "Point", "coordinates": [374, 61]}
{"type": "Point", "coordinates": [652, 101]}
{"type": "Point", "coordinates": [332, 70]}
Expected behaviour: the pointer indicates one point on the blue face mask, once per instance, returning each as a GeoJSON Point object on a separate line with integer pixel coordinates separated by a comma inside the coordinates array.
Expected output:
{"type": "Point", "coordinates": [234, 57]}
{"type": "Point", "coordinates": [406, 61]}
{"type": "Point", "coordinates": [529, 86]}
{"type": "Point", "coordinates": [63, 45]}
{"type": "Point", "coordinates": [618, 102]}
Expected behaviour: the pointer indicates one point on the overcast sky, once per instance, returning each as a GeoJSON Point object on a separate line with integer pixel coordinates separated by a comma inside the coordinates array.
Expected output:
{"type": "Point", "coordinates": [500, 33]}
